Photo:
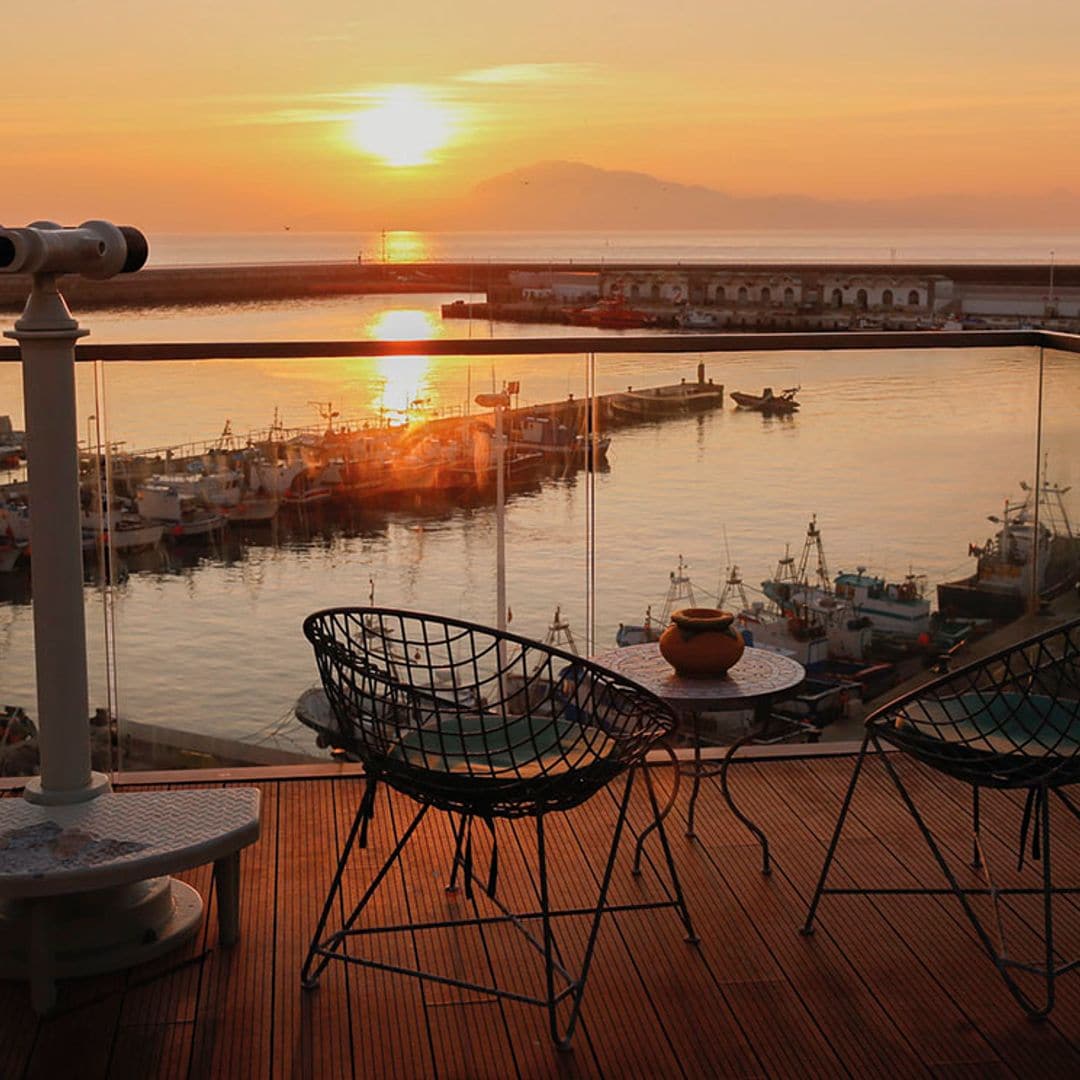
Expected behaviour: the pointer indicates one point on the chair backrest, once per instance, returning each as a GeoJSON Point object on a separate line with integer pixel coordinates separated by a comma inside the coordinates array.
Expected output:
{"type": "Point", "coordinates": [425, 699]}
{"type": "Point", "coordinates": [1011, 719]}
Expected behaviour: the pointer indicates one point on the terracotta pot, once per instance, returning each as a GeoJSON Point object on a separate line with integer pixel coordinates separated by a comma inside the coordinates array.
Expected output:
{"type": "Point", "coordinates": [701, 643]}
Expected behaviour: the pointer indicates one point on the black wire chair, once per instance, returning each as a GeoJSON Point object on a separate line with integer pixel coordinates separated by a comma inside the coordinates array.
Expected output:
{"type": "Point", "coordinates": [1010, 721]}
{"type": "Point", "coordinates": [483, 725]}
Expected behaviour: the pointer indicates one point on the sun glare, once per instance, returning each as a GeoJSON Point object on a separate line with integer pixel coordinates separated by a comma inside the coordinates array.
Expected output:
{"type": "Point", "coordinates": [406, 127]}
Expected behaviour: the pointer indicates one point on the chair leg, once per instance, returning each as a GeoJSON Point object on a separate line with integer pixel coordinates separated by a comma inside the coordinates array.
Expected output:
{"type": "Point", "coordinates": [459, 839]}
{"type": "Point", "coordinates": [309, 978]}
{"type": "Point", "coordinates": [976, 846]}
{"type": "Point", "coordinates": [1037, 815]}
{"type": "Point", "coordinates": [680, 899]}
{"type": "Point", "coordinates": [808, 926]}
{"type": "Point", "coordinates": [563, 1041]}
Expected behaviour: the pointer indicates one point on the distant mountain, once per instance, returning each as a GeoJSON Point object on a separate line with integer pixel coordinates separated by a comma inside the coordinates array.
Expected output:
{"type": "Point", "coordinates": [557, 195]}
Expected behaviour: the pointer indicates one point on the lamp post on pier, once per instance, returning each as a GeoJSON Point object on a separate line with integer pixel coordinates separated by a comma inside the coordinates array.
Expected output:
{"type": "Point", "coordinates": [500, 403]}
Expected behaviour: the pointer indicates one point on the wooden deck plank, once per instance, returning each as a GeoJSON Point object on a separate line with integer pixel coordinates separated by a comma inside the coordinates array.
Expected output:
{"type": "Point", "coordinates": [309, 1039]}
{"type": "Point", "coordinates": [950, 823]}
{"type": "Point", "coordinates": [888, 985]}
{"type": "Point", "coordinates": [233, 1029]}
{"type": "Point", "coordinates": [621, 1022]}
{"type": "Point", "coordinates": [675, 976]}
{"type": "Point", "coordinates": [682, 979]}
{"type": "Point", "coordinates": [388, 1015]}
{"type": "Point", "coordinates": [856, 975]}
{"type": "Point", "coordinates": [843, 986]}
{"type": "Point", "coordinates": [468, 1031]}
{"type": "Point", "coordinates": [935, 930]}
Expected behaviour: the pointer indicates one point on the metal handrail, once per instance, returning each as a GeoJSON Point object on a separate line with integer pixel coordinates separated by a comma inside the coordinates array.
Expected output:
{"type": "Point", "coordinates": [608, 343]}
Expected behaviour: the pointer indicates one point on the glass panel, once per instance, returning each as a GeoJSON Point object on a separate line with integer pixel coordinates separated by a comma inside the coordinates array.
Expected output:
{"type": "Point", "coordinates": [873, 487]}
{"type": "Point", "coordinates": [896, 458]}
{"type": "Point", "coordinates": [383, 469]}
{"type": "Point", "coordinates": [1059, 467]}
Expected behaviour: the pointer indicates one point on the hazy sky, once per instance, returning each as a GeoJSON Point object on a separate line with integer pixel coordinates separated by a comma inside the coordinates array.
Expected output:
{"type": "Point", "coordinates": [247, 114]}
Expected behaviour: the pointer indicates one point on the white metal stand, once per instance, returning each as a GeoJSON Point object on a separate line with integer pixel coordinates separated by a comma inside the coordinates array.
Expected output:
{"type": "Point", "coordinates": [119, 908]}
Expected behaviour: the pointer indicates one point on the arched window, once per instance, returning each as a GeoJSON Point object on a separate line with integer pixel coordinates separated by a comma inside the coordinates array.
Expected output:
{"type": "Point", "coordinates": [789, 295]}
{"type": "Point", "coordinates": [837, 298]}
{"type": "Point", "coordinates": [743, 294]}
{"type": "Point", "coordinates": [654, 292]}
{"type": "Point", "coordinates": [766, 294]}
{"type": "Point", "coordinates": [635, 291]}
{"type": "Point", "coordinates": [913, 298]}
{"type": "Point", "coordinates": [887, 298]}
{"type": "Point", "coordinates": [721, 296]}
{"type": "Point", "coordinates": [861, 299]}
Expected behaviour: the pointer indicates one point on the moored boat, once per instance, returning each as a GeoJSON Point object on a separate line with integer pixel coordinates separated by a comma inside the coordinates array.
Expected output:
{"type": "Point", "coordinates": [898, 609]}
{"type": "Point", "coordinates": [767, 401]}
{"type": "Point", "coordinates": [1034, 553]}
{"type": "Point", "coordinates": [664, 401]}
{"type": "Point", "coordinates": [611, 313]}
{"type": "Point", "coordinates": [178, 510]}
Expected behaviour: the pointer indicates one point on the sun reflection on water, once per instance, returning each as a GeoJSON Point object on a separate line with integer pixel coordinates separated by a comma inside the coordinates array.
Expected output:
{"type": "Point", "coordinates": [406, 380]}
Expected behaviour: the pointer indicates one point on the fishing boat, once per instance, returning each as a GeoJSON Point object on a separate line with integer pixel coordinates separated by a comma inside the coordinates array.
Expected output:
{"type": "Point", "coordinates": [767, 401]}
{"type": "Point", "coordinates": [556, 441]}
{"type": "Point", "coordinates": [898, 609]}
{"type": "Point", "coordinates": [661, 401]}
{"type": "Point", "coordinates": [810, 605]}
{"type": "Point", "coordinates": [1034, 553]}
{"type": "Point", "coordinates": [611, 313]}
{"type": "Point", "coordinates": [172, 505]}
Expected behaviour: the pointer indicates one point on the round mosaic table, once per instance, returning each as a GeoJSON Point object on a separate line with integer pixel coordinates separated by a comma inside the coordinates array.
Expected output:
{"type": "Point", "coordinates": [759, 679]}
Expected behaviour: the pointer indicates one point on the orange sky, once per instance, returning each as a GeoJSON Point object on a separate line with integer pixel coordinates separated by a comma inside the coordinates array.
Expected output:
{"type": "Point", "coordinates": [245, 115]}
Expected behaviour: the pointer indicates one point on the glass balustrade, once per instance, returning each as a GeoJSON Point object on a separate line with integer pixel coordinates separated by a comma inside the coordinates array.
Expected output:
{"type": "Point", "coordinates": [225, 499]}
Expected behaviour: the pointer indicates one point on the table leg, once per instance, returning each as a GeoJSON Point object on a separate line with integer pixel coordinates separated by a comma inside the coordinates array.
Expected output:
{"type": "Point", "coordinates": [42, 973]}
{"type": "Point", "coordinates": [697, 778]}
{"type": "Point", "coordinates": [227, 884]}
{"type": "Point", "coordinates": [658, 814]}
{"type": "Point", "coordinates": [761, 720]}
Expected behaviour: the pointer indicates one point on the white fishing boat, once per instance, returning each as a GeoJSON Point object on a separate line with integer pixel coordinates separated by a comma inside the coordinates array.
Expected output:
{"type": "Point", "coordinates": [807, 605]}
{"type": "Point", "coordinates": [176, 508]}
{"type": "Point", "coordinates": [899, 610]}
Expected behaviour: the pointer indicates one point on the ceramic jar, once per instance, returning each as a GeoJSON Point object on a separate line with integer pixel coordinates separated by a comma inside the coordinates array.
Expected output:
{"type": "Point", "coordinates": [701, 643]}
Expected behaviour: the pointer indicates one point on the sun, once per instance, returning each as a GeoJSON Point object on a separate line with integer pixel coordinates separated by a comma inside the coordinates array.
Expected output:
{"type": "Point", "coordinates": [405, 127]}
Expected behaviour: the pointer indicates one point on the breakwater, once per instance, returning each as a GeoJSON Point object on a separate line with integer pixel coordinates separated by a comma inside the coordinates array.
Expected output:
{"type": "Point", "coordinates": [190, 285]}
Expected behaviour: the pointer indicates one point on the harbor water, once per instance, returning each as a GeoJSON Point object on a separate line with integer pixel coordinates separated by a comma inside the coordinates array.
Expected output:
{"type": "Point", "coordinates": [901, 456]}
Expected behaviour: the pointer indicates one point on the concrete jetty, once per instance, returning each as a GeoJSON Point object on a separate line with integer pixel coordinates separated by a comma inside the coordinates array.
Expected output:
{"type": "Point", "coordinates": [180, 285]}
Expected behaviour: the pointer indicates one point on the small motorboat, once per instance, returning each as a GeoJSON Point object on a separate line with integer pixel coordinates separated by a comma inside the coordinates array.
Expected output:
{"type": "Point", "coordinates": [767, 401]}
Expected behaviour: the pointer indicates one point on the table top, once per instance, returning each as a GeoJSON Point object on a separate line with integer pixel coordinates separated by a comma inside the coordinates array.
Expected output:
{"type": "Point", "coordinates": [119, 837]}
{"type": "Point", "coordinates": [758, 676]}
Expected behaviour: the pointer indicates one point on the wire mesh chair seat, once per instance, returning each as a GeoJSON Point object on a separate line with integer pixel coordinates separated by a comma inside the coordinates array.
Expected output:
{"type": "Point", "coordinates": [483, 725]}
{"type": "Point", "coordinates": [1009, 721]}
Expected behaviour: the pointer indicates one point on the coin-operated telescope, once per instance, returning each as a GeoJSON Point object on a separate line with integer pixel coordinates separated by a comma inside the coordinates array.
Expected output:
{"type": "Point", "coordinates": [47, 333]}
{"type": "Point", "coordinates": [94, 249]}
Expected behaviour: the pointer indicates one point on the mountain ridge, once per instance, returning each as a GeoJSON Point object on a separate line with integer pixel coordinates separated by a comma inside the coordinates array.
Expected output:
{"type": "Point", "coordinates": [570, 195]}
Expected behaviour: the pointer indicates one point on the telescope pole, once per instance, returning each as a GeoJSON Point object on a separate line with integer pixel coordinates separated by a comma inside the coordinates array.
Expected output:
{"type": "Point", "coordinates": [46, 333]}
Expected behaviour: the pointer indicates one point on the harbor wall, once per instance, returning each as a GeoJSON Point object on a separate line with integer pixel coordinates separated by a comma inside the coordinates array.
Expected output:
{"type": "Point", "coordinates": [182, 285]}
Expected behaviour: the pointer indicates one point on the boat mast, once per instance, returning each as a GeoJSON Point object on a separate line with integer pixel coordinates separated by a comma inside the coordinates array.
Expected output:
{"type": "Point", "coordinates": [733, 585]}
{"type": "Point", "coordinates": [813, 540]}
{"type": "Point", "coordinates": [679, 589]}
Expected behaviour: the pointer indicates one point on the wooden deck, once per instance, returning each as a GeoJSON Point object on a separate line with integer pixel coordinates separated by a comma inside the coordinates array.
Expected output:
{"type": "Point", "coordinates": [893, 985]}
